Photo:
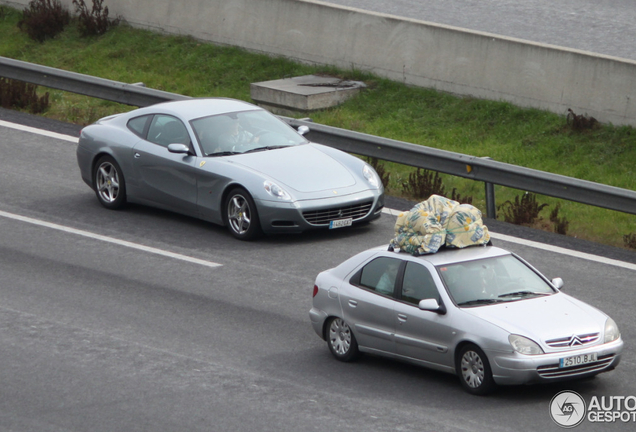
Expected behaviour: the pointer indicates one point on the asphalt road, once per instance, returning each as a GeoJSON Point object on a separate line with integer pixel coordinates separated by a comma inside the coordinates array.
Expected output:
{"type": "Point", "coordinates": [600, 26]}
{"type": "Point", "coordinates": [101, 335]}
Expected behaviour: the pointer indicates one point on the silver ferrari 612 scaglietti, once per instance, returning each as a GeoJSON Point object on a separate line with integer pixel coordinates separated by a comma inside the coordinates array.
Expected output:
{"type": "Point", "coordinates": [481, 312]}
{"type": "Point", "coordinates": [228, 162]}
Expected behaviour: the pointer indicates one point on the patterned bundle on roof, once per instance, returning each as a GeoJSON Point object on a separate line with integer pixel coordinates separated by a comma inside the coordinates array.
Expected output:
{"type": "Point", "coordinates": [438, 222]}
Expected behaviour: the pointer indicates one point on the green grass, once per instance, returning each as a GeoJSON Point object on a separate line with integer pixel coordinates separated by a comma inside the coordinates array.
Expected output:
{"type": "Point", "coordinates": [526, 137]}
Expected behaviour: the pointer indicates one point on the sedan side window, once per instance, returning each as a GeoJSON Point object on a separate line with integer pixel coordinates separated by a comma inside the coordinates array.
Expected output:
{"type": "Point", "coordinates": [165, 130]}
{"type": "Point", "coordinates": [418, 284]}
{"type": "Point", "coordinates": [380, 275]}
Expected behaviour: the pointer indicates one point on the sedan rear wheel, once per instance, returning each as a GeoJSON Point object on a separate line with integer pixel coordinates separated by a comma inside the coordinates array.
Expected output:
{"type": "Point", "coordinates": [342, 342]}
{"type": "Point", "coordinates": [241, 215]}
{"type": "Point", "coordinates": [474, 370]}
{"type": "Point", "coordinates": [110, 186]}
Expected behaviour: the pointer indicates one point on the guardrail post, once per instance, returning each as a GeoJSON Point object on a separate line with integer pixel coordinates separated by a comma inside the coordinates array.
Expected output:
{"type": "Point", "coordinates": [491, 208]}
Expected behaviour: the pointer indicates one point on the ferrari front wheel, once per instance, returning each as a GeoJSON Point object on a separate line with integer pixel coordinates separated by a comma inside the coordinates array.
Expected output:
{"type": "Point", "coordinates": [241, 216]}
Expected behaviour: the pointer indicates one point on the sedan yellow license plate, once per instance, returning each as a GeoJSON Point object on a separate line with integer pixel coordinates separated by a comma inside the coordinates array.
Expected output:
{"type": "Point", "coordinates": [340, 223]}
{"type": "Point", "coordinates": [578, 360]}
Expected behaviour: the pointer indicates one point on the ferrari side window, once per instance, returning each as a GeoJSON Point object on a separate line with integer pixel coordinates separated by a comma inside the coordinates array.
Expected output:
{"type": "Point", "coordinates": [165, 130]}
{"type": "Point", "coordinates": [380, 275]}
{"type": "Point", "coordinates": [138, 125]}
{"type": "Point", "coordinates": [418, 284]}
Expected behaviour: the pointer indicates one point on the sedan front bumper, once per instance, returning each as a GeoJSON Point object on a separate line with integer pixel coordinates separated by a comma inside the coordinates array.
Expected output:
{"type": "Point", "coordinates": [527, 369]}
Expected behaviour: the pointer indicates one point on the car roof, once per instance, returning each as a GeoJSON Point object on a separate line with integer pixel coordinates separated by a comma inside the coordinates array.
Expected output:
{"type": "Point", "coordinates": [190, 109]}
{"type": "Point", "coordinates": [448, 255]}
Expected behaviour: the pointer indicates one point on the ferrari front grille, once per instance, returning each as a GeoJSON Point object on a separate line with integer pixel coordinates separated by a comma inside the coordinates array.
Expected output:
{"type": "Point", "coordinates": [324, 216]}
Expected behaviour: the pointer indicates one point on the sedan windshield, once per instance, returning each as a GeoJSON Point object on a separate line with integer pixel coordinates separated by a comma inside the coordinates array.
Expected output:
{"type": "Point", "coordinates": [241, 132]}
{"type": "Point", "coordinates": [492, 280]}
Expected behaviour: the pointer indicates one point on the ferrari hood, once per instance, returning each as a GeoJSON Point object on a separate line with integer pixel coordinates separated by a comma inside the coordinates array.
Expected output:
{"type": "Point", "coordinates": [543, 318]}
{"type": "Point", "coordinates": [303, 168]}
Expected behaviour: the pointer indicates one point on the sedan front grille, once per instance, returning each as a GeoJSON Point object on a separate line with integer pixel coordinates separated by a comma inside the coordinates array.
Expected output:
{"type": "Point", "coordinates": [324, 216]}
{"type": "Point", "coordinates": [554, 371]}
{"type": "Point", "coordinates": [573, 341]}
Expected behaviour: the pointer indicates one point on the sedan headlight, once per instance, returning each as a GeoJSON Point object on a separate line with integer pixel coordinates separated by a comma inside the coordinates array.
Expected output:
{"type": "Point", "coordinates": [371, 176]}
{"type": "Point", "coordinates": [523, 345]}
{"type": "Point", "coordinates": [611, 331]}
{"type": "Point", "coordinates": [276, 191]}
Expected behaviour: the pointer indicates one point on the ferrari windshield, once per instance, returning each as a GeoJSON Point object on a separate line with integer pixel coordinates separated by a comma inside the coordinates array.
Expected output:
{"type": "Point", "coordinates": [241, 132]}
{"type": "Point", "coordinates": [492, 280]}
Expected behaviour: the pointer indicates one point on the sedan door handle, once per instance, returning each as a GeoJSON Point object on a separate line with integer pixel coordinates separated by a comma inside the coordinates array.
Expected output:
{"type": "Point", "coordinates": [353, 303]}
{"type": "Point", "coordinates": [402, 318]}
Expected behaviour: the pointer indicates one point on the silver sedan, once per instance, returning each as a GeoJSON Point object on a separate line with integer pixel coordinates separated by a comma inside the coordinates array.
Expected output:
{"type": "Point", "coordinates": [228, 162]}
{"type": "Point", "coordinates": [482, 313]}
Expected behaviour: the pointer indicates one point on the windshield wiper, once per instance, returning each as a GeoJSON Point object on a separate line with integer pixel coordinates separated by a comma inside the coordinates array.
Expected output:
{"type": "Point", "coordinates": [224, 153]}
{"type": "Point", "coordinates": [479, 302]}
{"type": "Point", "coordinates": [523, 294]}
{"type": "Point", "coordinates": [266, 148]}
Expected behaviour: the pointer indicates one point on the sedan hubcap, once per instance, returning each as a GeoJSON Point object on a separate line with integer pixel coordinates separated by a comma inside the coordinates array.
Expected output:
{"type": "Point", "coordinates": [340, 336]}
{"type": "Point", "coordinates": [238, 214]}
{"type": "Point", "coordinates": [472, 369]}
{"type": "Point", "coordinates": [107, 182]}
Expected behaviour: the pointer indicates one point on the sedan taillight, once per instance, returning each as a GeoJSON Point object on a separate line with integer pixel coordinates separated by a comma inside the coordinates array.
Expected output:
{"type": "Point", "coordinates": [315, 290]}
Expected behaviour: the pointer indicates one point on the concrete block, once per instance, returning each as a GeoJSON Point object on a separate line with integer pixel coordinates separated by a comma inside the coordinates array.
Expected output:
{"type": "Point", "coordinates": [303, 94]}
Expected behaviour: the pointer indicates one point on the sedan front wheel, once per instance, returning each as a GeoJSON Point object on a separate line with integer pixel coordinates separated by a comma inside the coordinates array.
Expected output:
{"type": "Point", "coordinates": [474, 370]}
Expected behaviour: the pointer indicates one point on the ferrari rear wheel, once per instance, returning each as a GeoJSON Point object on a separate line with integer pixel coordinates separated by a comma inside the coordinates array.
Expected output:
{"type": "Point", "coordinates": [341, 340]}
{"type": "Point", "coordinates": [241, 215]}
{"type": "Point", "coordinates": [110, 186]}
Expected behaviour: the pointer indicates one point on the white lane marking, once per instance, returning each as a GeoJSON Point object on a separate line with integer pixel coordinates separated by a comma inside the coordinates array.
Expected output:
{"type": "Point", "coordinates": [547, 247]}
{"type": "Point", "coordinates": [109, 239]}
{"type": "Point", "coordinates": [38, 131]}
{"type": "Point", "coordinates": [394, 212]}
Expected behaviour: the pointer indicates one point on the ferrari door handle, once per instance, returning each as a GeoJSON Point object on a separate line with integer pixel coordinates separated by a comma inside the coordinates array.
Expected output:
{"type": "Point", "coordinates": [402, 318]}
{"type": "Point", "coordinates": [137, 155]}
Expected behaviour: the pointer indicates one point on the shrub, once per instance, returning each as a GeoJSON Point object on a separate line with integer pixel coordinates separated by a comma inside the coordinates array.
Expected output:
{"type": "Point", "coordinates": [20, 95]}
{"type": "Point", "coordinates": [524, 210]}
{"type": "Point", "coordinates": [96, 21]}
{"type": "Point", "coordinates": [422, 183]}
{"type": "Point", "coordinates": [560, 223]}
{"type": "Point", "coordinates": [44, 19]}
{"type": "Point", "coordinates": [630, 240]}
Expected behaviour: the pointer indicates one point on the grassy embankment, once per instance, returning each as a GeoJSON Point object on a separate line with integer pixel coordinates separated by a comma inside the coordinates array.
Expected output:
{"type": "Point", "coordinates": [525, 137]}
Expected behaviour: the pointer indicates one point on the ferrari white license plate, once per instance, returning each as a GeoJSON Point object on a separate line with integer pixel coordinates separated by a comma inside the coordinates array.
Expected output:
{"type": "Point", "coordinates": [340, 223]}
{"type": "Point", "coordinates": [578, 360]}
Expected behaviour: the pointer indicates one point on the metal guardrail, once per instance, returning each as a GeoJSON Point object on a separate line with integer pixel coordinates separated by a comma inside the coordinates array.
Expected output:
{"type": "Point", "coordinates": [479, 169]}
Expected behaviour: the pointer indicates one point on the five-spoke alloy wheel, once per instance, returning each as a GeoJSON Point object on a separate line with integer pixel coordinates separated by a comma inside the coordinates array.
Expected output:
{"type": "Point", "coordinates": [241, 216]}
{"type": "Point", "coordinates": [109, 183]}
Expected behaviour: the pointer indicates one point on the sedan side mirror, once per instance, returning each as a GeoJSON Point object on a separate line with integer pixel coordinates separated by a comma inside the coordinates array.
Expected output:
{"type": "Point", "coordinates": [178, 148]}
{"type": "Point", "coordinates": [303, 129]}
{"type": "Point", "coordinates": [432, 305]}
{"type": "Point", "coordinates": [558, 283]}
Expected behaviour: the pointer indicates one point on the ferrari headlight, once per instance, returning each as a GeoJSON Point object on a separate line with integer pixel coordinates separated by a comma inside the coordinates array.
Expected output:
{"type": "Point", "coordinates": [523, 345]}
{"type": "Point", "coordinates": [276, 191]}
{"type": "Point", "coordinates": [611, 331]}
{"type": "Point", "coordinates": [371, 176]}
